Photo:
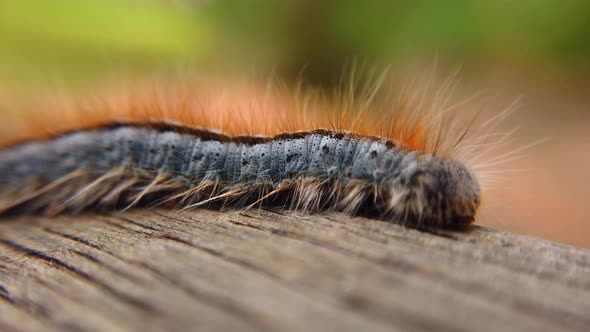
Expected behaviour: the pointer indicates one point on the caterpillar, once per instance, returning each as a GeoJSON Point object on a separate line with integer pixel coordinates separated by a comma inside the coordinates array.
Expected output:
{"type": "Point", "coordinates": [392, 157]}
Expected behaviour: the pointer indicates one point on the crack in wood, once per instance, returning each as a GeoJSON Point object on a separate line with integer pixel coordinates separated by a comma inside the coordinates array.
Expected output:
{"type": "Point", "coordinates": [57, 263]}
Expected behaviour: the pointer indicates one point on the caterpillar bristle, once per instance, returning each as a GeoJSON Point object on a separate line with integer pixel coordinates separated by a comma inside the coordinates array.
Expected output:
{"type": "Point", "coordinates": [400, 157]}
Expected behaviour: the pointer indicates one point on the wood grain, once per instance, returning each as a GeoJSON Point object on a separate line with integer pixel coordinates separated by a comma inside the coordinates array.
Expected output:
{"type": "Point", "coordinates": [258, 270]}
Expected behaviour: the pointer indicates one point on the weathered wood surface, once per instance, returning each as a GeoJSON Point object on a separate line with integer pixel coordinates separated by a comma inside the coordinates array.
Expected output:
{"type": "Point", "coordinates": [258, 270]}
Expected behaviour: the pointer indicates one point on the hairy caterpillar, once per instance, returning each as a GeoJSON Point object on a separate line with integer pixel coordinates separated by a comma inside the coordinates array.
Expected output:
{"type": "Point", "coordinates": [395, 157]}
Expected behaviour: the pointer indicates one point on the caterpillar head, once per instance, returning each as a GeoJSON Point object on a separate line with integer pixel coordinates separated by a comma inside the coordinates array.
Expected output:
{"type": "Point", "coordinates": [434, 191]}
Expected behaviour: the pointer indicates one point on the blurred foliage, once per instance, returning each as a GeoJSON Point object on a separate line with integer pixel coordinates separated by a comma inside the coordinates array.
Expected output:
{"type": "Point", "coordinates": [82, 38]}
{"type": "Point", "coordinates": [90, 36]}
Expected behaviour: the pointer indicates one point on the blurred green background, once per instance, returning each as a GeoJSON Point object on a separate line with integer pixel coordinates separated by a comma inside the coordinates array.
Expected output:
{"type": "Point", "coordinates": [97, 37]}
{"type": "Point", "coordinates": [537, 49]}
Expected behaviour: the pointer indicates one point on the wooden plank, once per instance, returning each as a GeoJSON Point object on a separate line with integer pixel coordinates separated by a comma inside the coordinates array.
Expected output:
{"type": "Point", "coordinates": [260, 270]}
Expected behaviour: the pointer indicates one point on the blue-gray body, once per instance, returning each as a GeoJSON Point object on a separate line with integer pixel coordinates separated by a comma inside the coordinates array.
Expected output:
{"type": "Point", "coordinates": [340, 158]}
{"type": "Point", "coordinates": [194, 158]}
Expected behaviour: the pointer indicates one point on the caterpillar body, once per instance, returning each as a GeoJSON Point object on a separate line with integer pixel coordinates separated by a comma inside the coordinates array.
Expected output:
{"type": "Point", "coordinates": [397, 176]}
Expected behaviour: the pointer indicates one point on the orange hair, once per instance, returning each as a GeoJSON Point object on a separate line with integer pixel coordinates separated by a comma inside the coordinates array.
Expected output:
{"type": "Point", "coordinates": [411, 120]}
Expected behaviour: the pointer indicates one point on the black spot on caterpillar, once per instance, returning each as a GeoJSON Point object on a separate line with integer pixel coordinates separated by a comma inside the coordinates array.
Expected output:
{"type": "Point", "coordinates": [121, 166]}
